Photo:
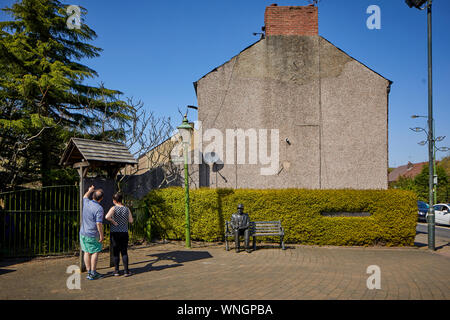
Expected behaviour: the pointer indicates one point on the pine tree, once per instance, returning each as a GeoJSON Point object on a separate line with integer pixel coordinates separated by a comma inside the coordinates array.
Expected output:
{"type": "Point", "coordinates": [43, 95]}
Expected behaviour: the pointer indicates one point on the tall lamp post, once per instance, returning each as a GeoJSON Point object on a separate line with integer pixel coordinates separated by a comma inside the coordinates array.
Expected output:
{"type": "Point", "coordinates": [431, 219]}
{"type": "Point", "coordinates": [185, 130]}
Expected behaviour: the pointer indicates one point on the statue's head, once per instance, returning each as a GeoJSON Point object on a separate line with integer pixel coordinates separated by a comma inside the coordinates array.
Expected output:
{"type": "Point", "coordinates": [240, 208]}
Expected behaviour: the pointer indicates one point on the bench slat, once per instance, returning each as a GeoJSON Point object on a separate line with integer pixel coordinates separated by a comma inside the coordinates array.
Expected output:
{"type": "Point", "coordinates": [268, 227]}
{"type": "Point", "coordinates": [269, 231]}
{"type": "Point", "coordinates": [265, 222]}
{"type": "Point", "coordinates": [266, 231]}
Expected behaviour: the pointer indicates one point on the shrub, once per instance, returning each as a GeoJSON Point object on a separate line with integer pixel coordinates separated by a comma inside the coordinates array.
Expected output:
{"type": "Point", "coordinates": [392, 220]}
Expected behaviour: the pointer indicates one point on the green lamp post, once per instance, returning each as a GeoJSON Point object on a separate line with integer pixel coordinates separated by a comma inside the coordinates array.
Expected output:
{"type": "Point", "coordinates": [422, 5]}
{"type": "Point", "coordinates": [185, 130]}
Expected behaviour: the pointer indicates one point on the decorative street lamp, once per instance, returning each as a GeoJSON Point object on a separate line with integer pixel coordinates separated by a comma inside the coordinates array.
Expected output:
{"type": "Point", "coordinates": [185, 130]}
{"type": "Point", "coordinates": [435, 149]}
{"type": "Point", "coordinates": [431, 220]}
{"type": "Point", "coordinates": [422, 143]}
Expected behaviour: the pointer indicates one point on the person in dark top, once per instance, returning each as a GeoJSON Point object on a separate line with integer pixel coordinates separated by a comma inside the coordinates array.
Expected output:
{"type": "Point", "coordinates": [119, 216]}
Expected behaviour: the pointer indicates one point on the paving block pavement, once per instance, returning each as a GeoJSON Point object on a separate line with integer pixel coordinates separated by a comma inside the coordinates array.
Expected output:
{"type": "Point", "coordinates": [207, 271]}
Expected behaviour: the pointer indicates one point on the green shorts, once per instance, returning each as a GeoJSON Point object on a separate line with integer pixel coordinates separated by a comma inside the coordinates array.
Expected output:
{"type": "Point", "coordinates": [90, 245]}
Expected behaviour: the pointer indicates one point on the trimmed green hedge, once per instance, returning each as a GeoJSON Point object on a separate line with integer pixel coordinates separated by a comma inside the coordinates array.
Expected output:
{"type": "Point", "coordinates": [392, 221]}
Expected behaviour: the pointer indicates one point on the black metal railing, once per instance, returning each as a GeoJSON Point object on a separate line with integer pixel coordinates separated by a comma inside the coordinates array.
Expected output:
{"type": "Point", "coordinates": [45, 221]}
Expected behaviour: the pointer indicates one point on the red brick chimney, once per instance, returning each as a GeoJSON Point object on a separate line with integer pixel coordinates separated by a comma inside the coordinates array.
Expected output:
{"type": "Point", "coordinates": [291, 21]}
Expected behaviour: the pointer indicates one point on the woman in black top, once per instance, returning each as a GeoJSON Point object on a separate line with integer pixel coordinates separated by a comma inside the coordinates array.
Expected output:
{"type": "Point", "coordinates": [120, 216]}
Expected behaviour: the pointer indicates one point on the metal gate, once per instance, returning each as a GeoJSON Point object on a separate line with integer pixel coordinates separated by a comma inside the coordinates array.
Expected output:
{"type": "Point", "coordinates": [39, 222]}
{"type": "Point", "coordinates": [46, 221]}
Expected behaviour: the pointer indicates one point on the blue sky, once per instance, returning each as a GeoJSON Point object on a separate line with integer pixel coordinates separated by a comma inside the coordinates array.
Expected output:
{"type": "Point", "coordinates": [155, 49]}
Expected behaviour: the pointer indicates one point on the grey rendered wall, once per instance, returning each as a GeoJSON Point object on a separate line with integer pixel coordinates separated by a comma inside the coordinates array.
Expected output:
{"type": "Point", "coordinates": [354, 123]}
{"type": "Point", "coordinates": [332, 109]}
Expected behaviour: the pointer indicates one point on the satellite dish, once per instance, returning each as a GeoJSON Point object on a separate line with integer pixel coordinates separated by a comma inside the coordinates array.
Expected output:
{"type": "Point", "coordinates": [217, 167]}
{"type": "Point", "coordinates": [211, 157]}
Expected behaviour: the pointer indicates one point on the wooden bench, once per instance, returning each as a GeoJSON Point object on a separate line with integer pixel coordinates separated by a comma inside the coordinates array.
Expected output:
{"type": "Point", "coordinates": [258, 229]}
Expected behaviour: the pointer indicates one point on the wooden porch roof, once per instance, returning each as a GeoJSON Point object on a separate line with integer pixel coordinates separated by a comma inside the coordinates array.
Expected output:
{"type": "Point", "coordinates": [101, 153]}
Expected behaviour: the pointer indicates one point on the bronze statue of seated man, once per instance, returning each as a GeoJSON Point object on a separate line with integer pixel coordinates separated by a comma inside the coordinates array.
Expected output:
{"type": "Point", "coordinates": [240, 223]}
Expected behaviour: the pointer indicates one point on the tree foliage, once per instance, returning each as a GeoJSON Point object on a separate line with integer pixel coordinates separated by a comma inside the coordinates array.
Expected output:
{"type": "Point", "coordinates": [44, 98]}
{"type": "Point", "coordinates": [445, 163]}
{"type": "Point", "coordinates": [420, 184]}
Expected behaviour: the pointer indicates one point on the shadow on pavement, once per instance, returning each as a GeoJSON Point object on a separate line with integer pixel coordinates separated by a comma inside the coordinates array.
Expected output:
{"type": "Point", "coordinates": [179, 257]}
{"type": "Point", "coordinates": [443, 246]}
{"type": "Point", "coordinates": [425, 244]}
{"type": "Point", "coordinates": [182, 256]}
{"type": "Point", "coordinates": [6, 262]}
{"type": "Point", "coordinates": [420, 244]}
{"type": "Point", "coordinates": [5, 271]}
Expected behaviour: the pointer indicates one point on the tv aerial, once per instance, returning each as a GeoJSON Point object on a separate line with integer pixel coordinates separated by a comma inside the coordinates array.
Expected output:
{"type": "Point", "coordinates": [313, 2]}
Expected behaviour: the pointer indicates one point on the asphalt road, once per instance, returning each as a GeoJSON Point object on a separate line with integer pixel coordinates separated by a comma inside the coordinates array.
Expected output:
{"type": "Point", "coordinates": [440, 231]}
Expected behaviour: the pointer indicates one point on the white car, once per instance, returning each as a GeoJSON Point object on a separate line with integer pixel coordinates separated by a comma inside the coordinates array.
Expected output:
{"type": "Point", "coordinates": [442, 213]}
